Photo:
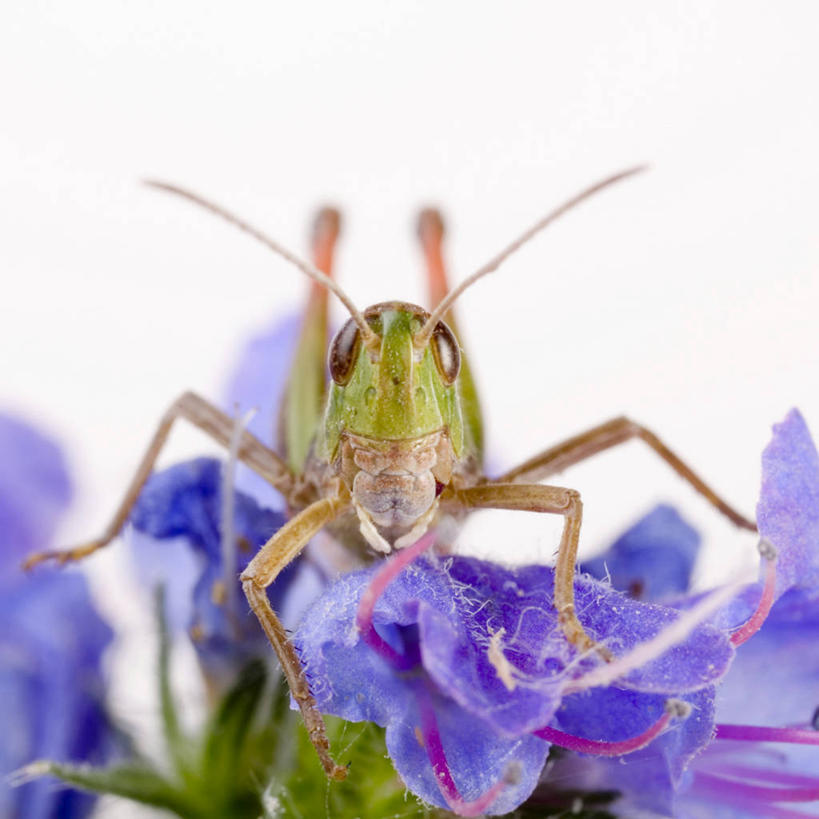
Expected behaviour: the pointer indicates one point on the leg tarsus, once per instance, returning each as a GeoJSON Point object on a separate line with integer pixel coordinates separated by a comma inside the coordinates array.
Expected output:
{"type": "Point", "coordinates": [63, 556]}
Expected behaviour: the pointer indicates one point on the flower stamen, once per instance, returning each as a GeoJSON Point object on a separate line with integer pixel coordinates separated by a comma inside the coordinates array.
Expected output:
{"type": "Point", "coordinates": [440, 767]}
{"type": "Point", "coordinates": [741, 635]}
{"type": "Point", "coordinates": [390, 569]}
{"type": "Point", "coordinates": [747, 792]}
{"type": "Point", "coordinates": [761, 733]}
{"type": "Point", "coordinates": [673, 708]}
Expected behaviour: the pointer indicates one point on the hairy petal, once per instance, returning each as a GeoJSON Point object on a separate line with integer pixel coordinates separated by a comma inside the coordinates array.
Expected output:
{"type": "Point", "coordinates": [487, 639]}
{"type": "Point", "coordinates": [788, 509]}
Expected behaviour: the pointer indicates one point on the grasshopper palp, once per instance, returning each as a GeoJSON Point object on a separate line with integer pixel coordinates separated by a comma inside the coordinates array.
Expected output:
{"type": "Point", "coordinates": [392, 443]}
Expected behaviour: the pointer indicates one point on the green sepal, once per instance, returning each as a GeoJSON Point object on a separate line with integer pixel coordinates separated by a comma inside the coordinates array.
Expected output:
{"type": "Point", "coordinates": [235, 756]}
{"type": "Point", "coordinates": [372, 787]}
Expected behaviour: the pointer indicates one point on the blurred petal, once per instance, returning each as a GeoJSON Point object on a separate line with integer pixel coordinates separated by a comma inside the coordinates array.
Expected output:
{"type": "Point", "coordinates": [258, 382]}
{"type": "Point", "coordinates": [653, 560]}
{"type": "Point", "coordinates": [34, 493]}
{"type": "Point", "coordinates": [180, 511]}
{"type": "Point", "coordinates": [51, 638]}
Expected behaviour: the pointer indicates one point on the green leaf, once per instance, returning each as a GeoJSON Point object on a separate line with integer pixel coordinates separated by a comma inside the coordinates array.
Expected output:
{"type": "Point", "coordinates": [136, 781]}
{"type": "Point", "coordinates": [175, 741]}
{"type": "Point", "coordinates": [230, 758]}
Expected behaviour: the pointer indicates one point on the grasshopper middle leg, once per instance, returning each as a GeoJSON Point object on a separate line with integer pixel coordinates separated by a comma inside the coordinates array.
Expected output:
{"type": "Point", "coordinates": [277, 553]}
{"type": "Point", "coordinates": [210, 420]}
{"type": "Point", "coordinates": [554, 500]}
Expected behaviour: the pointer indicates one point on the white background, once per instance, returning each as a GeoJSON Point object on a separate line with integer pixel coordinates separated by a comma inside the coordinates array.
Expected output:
{"type": "Point", "coordinates": [686, 298]}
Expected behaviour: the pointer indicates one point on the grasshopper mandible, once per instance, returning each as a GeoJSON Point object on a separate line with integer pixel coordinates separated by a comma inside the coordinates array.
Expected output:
{"type": "Point", "coordinates": [392, 443]}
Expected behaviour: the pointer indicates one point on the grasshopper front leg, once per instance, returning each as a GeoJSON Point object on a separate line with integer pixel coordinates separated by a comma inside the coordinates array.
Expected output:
{"type": "Point", "coordinates": [214, 423]}
{"type": "Point", "coordinates": [274, 556]}
{"type": "Point", "coordinates": [555, 500]}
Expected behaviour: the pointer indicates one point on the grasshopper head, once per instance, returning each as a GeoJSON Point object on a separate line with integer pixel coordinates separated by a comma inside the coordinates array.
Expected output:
{"type": "Point", "coordinates": [393, 388]}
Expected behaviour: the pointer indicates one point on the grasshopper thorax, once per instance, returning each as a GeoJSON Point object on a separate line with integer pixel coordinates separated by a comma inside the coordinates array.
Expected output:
{"type": "Point", "coordinates": [393, 424]}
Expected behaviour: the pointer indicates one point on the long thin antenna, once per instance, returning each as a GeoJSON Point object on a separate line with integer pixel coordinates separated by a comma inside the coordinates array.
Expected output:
{"type": "Point", "coordinates": [423, 335]}
{"type": "Point", "coordinates": [368, 336]}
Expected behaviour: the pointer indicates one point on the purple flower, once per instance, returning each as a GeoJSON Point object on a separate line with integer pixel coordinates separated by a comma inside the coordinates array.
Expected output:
{"type": "Point", "coordinates": [178, 529]}
{"type": "Point", "coordinates": [51, 638]}
{"type": "Point", "coordinates": [766, 706]}
{"type": "Point", "coordinates": [465, 664]}
{"type": "Point", "coordinates": [183, 505]}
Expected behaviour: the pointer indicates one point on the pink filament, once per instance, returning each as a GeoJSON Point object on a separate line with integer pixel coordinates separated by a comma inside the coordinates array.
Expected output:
{"type": "Point", "coordinates": [760, 733]}
{"type": "Point", "coordinates": [749, 792]}
{"type": "Point", "coordinates": [440, 768]}
{"type": "Point", "coordinates": [754, 773]}
{"type": "Point", "coordinates": [390, 569]}
{"type": "Point", "coordinates": [763, 607]}
{"type": "Point", "coordinates": [601, 747]}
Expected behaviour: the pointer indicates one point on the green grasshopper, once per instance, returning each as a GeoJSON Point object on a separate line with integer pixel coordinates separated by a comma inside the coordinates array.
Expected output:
{"type": "Point", "coordinates": [392, 444]}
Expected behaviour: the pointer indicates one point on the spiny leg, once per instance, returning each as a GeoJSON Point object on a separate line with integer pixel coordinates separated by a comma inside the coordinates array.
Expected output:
{"type": "Point", "coordinates": [552, 500]}
{"type": "Point", "coordinates": [277, 553]}
{"type": "Point", "coordinates": [210, 420]}
{"type": "Point", "coordinates": [608, 435]}
{"type": "Point", "coordinates": [431, 235]}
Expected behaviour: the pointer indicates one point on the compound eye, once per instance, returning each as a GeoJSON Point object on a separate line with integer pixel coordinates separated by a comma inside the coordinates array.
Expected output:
{"type": "Point", "coordinates": [446, 352]}
{"type": "Point", "coordinates": [343, 353]}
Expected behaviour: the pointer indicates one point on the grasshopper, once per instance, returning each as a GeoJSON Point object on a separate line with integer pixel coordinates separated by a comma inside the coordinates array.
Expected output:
{"type": "Point", "coordinates": [394, 441]}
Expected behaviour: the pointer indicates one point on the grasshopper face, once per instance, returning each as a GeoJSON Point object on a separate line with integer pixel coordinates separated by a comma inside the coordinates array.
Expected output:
{"type": "Point", "coordinates": [393, 425]}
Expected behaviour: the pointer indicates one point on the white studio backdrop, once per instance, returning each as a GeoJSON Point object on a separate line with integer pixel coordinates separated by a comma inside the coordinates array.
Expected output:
{"type": "Point", "coordinates": [685, 298]}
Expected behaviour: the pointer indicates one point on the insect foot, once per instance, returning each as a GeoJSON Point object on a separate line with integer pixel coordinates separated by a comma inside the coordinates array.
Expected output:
{"type": "Point", "coordinates": [63, 556]}
{"type": "Point", "coordinates": [576, 635]}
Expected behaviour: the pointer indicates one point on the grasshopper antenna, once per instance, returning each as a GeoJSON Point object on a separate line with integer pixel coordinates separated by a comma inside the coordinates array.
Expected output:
{"type": "Point", "coordinates": [368, 336]}
{"type": "Point", "coordinates": [423, 335]}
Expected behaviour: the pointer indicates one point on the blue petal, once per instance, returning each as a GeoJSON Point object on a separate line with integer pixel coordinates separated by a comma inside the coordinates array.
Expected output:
{"type": "Point", "coordinates": [491, 644]}
{"type": "Point", "coordinates": [51, 638]}
{"type": "Point", "coordinates": [184, 501]}
{"type": "Point", "coordinates": [653, 560]}
{"type": "Point", "coordinates": [352, 681]}
{"type": "Point", "coordinates": [476, 755]}
{"type": "Point", "coordinates": [775, 677]}
{"type": "Point", "coordinates": [788, 509]}
{"type": "Point", "coordinates": [258, 382]}
{"type": "Point", "coordinates": [34, 493]}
